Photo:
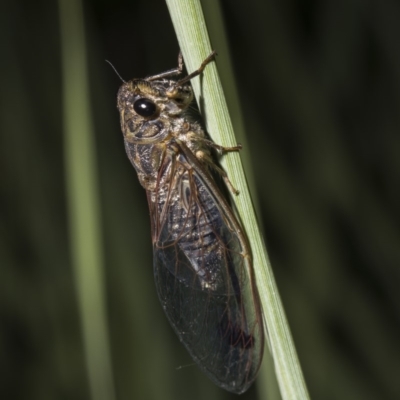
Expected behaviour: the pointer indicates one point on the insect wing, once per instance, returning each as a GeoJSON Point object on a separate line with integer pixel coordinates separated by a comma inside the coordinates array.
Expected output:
{"type": "Point", "coordinates": [203, 275]}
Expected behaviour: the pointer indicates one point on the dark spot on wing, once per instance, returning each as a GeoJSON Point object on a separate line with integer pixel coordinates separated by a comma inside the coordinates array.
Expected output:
{"type": "Point", "coordinates": [234, 335]}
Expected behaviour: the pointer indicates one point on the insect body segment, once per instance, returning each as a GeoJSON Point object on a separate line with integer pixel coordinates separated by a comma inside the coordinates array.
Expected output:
{"type": "Point", "coordinates": [202, 262]}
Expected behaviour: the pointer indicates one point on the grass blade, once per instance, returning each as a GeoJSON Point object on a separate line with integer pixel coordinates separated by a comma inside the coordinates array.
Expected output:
{"type": "Point", "coordinates": [83, 204]}
{"type": "Point", "coordinates": [190, 27]}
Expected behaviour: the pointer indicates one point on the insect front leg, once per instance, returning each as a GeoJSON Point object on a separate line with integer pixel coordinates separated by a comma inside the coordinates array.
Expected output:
{"type": "Point", "coordinates": [199, 70]}
{"type": "Point", "coordinates": [171, 72]}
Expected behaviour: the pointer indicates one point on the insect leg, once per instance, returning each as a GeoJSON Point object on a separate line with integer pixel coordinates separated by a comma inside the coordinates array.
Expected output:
{"type": "Point", "coordinates": [192, 136]}
{"type": "Point", "coordinates": [197, 71]}
{"type": "Point", "coordinates": [205, 158]}
{"type": "Point", "coordinates": [171, 72]}
{"type": "Point", "coordinates": [224, 176]}
{"type": "Point", "coordinates": [223, 149]}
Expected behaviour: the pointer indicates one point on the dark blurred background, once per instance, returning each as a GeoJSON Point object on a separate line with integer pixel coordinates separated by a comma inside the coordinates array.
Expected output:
{"type": "Point", "coordinates": [319, 86]}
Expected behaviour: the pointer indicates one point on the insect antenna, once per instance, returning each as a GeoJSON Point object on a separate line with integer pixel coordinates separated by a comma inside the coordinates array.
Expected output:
{"type": "Point", "coordinates": [194, 110]}
{"type": "Point", "coordinates": [115, 70]}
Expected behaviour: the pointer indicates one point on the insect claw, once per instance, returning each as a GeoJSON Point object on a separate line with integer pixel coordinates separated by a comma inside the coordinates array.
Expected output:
{"type": "Point", "coordinates": [180, 62]}
{"type": "Point", "coordinates": [231, 187]}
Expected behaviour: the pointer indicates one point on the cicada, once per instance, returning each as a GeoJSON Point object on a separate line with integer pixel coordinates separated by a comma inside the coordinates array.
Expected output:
{"type": "Point", "coordinates": [202, 261]}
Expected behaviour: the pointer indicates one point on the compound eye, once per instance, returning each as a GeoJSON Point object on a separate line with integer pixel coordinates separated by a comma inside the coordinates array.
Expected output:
{"type": "Point", "coordinates": [145, 107]}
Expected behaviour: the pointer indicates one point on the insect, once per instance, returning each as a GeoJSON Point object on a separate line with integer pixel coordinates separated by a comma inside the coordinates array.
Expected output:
{"type": "Point", "coordinates": [202, 262]}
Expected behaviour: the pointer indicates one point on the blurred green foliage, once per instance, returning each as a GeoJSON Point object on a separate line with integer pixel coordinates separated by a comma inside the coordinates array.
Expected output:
{"type": "Point", "coordinates": [319, 88]}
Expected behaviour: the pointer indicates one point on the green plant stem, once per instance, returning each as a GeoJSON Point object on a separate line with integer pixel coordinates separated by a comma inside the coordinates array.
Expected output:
{"type": "Point", "coordinates": [83, 205]}
{"type": "Point", "coordinates": [190, 28]}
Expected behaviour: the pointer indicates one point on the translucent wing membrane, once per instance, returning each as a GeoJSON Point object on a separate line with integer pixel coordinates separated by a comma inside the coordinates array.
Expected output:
{"type": "Point", "coordinates": [203, 273]}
